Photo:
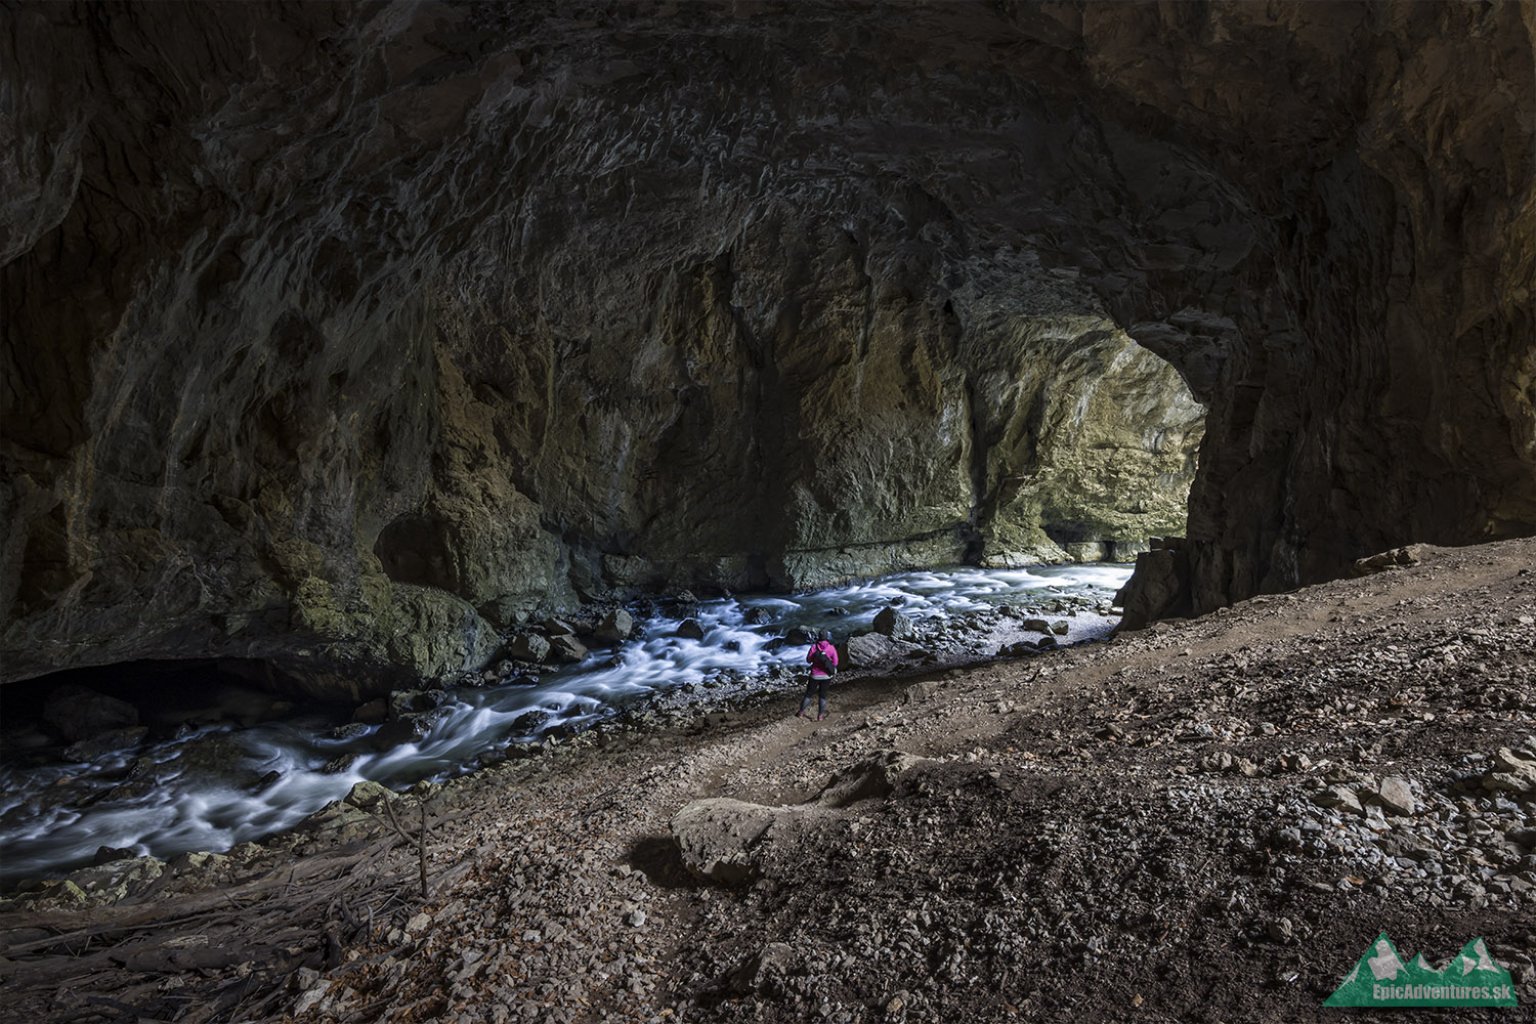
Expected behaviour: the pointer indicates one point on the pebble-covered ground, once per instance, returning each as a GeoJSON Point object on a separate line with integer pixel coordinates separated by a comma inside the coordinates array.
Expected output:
{"type": "Point", "coordinates": [1206, 821]}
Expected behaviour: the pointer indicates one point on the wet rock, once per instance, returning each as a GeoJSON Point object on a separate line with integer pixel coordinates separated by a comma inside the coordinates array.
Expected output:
{"type": "Point", "coordinates": [1061, 628]}
{"type": "Point", "coordinates": [106, 743]}
{"type": "Point", "coordinates": [616, 627]}
{"type": "Point", "coordinates": [340, 764]}
{"type": "Point", "coordinates": [217, 756]}
{"type": "Point", "coordinates": [757, 616]}
{"type": "Point", "coordinates": [412, 727]}
{"type": "Point", "coordinates": [403, 702]}
{"type": "Point", "coordinates": [373, 712]}
{"type": "Point", "coordinates": [567, 649]}
{"type": "Point", "coordinates": [108, 854]}
{"type": "Point", "coordinates": [77, 713]}
{"type": "Point", "coordinates": [1038, 625]}
{"type": "Point", "coordinates": [350, 731]}
{"type": "Point", "coordinates": [529, 647]}
{"type": "Point", "coordinates": [530, 721]}
{"type": "Point", "coordinates": [689, 629]}
{"type": "Point", "coordinates": [893, 623]}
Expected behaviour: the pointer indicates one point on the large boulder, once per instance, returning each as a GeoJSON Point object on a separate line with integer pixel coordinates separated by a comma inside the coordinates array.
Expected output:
{"type": "Point", "coordinates": [77, 713]}
{"type": "Point", "coordinates": [716, 837]}
{"type": "Point", "coordinates": [412, 727]}
{"type": "Point", "coordinates": [875, 650]}
{"type": "Point", "coordinates": [1158, 589]}
{"type": "Point", "coordinates": [567, 649]}
{"type": "Point", "coordinates": [893, 623]}
{"type": "Point", "coordinates": [616, 627]}
{"type": "Point", "coordinates": [529, 647]}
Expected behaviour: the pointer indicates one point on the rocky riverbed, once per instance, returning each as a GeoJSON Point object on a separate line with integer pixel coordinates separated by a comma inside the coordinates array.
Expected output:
{"type": "Point", "coordinates": [1209, 820]}
{"type": "Point", "coordinates": [165, 758]}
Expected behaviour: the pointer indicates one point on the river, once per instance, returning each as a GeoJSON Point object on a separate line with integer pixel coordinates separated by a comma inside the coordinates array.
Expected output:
{"type": "Point", "coordinates": [212, 786]}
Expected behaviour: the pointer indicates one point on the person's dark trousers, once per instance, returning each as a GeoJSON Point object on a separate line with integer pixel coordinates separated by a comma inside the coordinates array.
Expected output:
{"type": "Point", "coordinates": [818, 687]}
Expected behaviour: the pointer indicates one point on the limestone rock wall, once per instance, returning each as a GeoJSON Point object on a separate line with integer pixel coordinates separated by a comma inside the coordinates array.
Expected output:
{"type": "Point", "coordinates": [340, 335]}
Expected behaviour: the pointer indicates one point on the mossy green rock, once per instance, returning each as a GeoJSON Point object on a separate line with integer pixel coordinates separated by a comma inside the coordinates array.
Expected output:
{"type": "Point", "coordinates": [349, 338]}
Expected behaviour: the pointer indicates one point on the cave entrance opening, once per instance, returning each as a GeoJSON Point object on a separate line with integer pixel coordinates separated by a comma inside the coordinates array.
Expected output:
{"type": "Point", "coordinates": [88, 713]}
{"type": "Point", "coordinates": [1086, 451]}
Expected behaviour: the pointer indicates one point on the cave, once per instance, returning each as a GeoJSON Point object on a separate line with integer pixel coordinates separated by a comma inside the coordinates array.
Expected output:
{"type": "Point", "coordinates": [418, 550]}
{"type": "Point", "coordinates": [614, 328]}
{"type": "Point", "coordinates": [405, 361]}
{"type": "Point", "coordinates": [82, 714]}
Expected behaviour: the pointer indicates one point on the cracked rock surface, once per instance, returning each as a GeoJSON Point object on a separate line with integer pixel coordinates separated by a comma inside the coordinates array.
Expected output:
{"type": "Point", "coordinates": [341, 336]}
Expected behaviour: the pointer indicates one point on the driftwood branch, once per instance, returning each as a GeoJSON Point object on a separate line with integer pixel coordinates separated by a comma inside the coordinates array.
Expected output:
{"type": "Point", "coordinates": [420, 840]}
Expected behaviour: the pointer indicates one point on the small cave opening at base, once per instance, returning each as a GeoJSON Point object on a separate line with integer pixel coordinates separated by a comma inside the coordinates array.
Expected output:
{"type": "Point", "coordinates": [108, 711]}
{"type": "Point", "coordinates": [1088, 460]}
{"type": "Point", "coordinates": [418, 549]}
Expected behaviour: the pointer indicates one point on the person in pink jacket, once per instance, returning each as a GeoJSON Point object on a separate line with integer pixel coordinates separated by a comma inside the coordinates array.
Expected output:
{"type": "Point", "coordinates": [823, 659]}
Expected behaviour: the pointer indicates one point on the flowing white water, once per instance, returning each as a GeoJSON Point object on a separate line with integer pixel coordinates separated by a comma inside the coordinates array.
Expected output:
{"type": "Point", "coordinates": [220, 786]}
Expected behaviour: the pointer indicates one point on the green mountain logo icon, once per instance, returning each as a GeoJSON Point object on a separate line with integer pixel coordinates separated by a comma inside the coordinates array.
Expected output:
{"type": "Point", "coordinates": [1380, 978]}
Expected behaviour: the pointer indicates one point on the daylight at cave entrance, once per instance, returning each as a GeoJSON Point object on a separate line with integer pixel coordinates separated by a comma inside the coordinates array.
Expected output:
{"type": "Point", "coordinates": [436, 435]}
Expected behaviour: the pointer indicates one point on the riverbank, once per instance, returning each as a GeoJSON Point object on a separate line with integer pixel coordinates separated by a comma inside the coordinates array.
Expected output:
{"type": "Point", "coordinates": [164, 759]}
{"type": "Point", "coordinates": [1209, 820]}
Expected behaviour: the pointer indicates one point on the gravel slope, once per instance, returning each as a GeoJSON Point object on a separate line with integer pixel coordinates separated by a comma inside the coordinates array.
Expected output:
{"type": "Point", "coordinates": [1206, 821]}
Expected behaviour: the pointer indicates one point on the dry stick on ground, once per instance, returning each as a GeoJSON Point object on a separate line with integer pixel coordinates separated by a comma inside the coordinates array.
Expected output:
{"type": "Point", "coordinates": [421, 840]}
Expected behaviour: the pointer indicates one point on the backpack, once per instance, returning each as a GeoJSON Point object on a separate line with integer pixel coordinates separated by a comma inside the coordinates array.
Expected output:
{"type": "Point", "coordinates": [821, 660]}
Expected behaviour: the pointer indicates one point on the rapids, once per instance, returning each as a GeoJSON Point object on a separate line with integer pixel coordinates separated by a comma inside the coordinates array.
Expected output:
{"type": "Point", "coordinates": [213, 786]}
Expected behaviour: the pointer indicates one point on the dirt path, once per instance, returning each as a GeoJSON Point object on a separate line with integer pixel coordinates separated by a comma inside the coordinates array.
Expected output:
{"type": "Point", "coordinates": [1130, 830]}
